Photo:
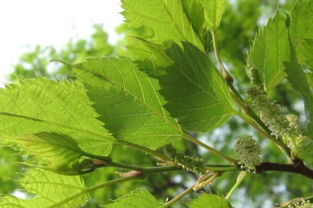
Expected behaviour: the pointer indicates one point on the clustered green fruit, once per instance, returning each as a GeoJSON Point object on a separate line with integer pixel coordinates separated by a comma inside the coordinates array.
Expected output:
{"type": "Point", "coordinates": [282, 126]}
{"type": "Point", "coordinates": [187, 162]}
{"type": "Point", "coordinates": [301, 204]}
{"type": "Point", "coordinates": [248, 152]}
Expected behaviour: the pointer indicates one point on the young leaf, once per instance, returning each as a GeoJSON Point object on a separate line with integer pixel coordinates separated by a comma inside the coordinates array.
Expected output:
{"type": "Point", "coordinates": [51, 191]}
{"type": "Point", "coordinates": [137, 199]}
{"type": "Point", "coordinates": [167, 19]}
{"type": "Point", "coordinates": [128, 101]}
{"type": "Point", "coordinates": [270, 49]}
{"type": "Point", "coordinates": [197, 95]}
{"type": "Point", "coordinates": [301, 31]}
{"type": "Point", "coordinates": [56, 152]}
{"type": "Point", "coordinates": [213, 12]}
{"type": "Point", "coordinates": [299, 81]}
{"type": "Point", "coordinates": [41, 105]}
{"type": "Point", "coordinates": [209, 200]}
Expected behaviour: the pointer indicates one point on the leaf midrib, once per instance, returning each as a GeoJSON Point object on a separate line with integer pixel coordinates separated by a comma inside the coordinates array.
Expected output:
{"type": "Point", "coordinates": [106, 79]}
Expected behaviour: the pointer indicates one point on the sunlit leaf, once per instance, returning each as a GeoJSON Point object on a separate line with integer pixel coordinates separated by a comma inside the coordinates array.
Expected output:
{"type": "Point", "coordinates": [166, 18]}
{"type": "Point", "coordinates": [128, 101]}
{"type": "Point", "coordinates": [41, 105]}
{"type": "Point", "coordinates": [51, 190]}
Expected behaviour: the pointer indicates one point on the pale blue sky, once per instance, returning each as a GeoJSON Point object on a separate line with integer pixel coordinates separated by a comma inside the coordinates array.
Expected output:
{"type": "Point", "coordinates": [27, 23]}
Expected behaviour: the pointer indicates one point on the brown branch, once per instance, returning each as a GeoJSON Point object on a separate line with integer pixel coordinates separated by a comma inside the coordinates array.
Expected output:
{"type": "Point", "coordinates": [298, 168]}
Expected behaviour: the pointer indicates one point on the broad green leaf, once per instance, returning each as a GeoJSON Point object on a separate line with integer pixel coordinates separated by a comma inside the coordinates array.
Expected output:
{"type": "Point", "coordinates": [301, 31]}
{"type": "Point", "coordinates": [51, 191]}
{"type": "Point", "coordinates": [137, 199]}
{"type": "Point", "coordinates": [196, 93]}
{"type": "Point", "coordinates": [128, 101]}
{"type": "Point", "coordinates": [56, 152]}
{"type": "Point", "coordinates": [141, 50]}
{"type": "Point", "coordinates": [270, 49]}
{"type": "Point", "coordinates": [166, 18]}
{"type": "Point", "coordinates": [195, 12]}
{"type": "Point", "coordinates": [299, 81]}
{"type": "Point", "coordinates": [209, 200]}
{"type": "Point", "coordinates": [213, 12]}
{"type": "Point", "coordinates": [41, 105]}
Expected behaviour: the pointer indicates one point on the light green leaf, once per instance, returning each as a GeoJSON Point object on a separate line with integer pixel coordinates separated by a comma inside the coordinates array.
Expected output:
{"type": "Point", "coordinates": [128, 101]}
{"type": "Point", "coordinates": [196, 93]}
{"type": "Point", "coordinates": [195, 12]}
{"type": "Point", "coordinates": [51, 191]}
{"type": "Point", "coordinates": [213, 12]}
{"type": "Point", "coordinates": [299, 81]}
{"type": "Point", "coordinates": [209, 200]}
{"type": "Point", "coordinates": [137, 199]}
{"type": "Point", "coordinates": [141, 50]}
{"type": "Point", "coordinates": [301, 31]}
{"type": "Point", "coordinates": [270, 49]}
{"type": "Point", "coordinates": [56, 152]}
{"type": "Point", "coordinates": [166, 18]}
{"type": "Point", "coordinates": [42, 105]}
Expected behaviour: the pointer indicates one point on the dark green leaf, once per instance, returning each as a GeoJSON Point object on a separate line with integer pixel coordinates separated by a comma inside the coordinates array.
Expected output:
{"type": "Point", "coordinates": [197, 95]}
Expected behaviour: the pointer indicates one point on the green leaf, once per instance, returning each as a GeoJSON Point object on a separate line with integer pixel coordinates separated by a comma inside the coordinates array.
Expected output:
{"type": "Point", "coordinates": [270, 49]}
{"type": "Point", "coordinates": [137, 199]}
{"type": "Point", "coordinates": [141, 50]}
{"type": "Point", "coordinates": [51, 191]}
{"type": "Point", "coordinates": [299, 81]}
{"type": "Point", "coordinates": [196, 93]}
{"type": "Point", "coordinates": [195, 12]}
{"type": "Point", "coordinates": [301, 31]}
{"type": "Point", "coordinates": [213, 12]}
{"type": "Point", "coordinates": [209, 200]}
{"type": "Point", "coordinates": [56, 152]}
{"type": "Point", "coordinates": [205, 14]}
{"type": "Point", "coordinates": [166, 18]}
{"type": "Point", "coordinates": [42, 105]}
{"type": "Point", "coordinates": [128, 101]}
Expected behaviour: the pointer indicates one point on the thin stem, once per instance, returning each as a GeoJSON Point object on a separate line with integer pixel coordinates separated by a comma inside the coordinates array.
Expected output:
{"type": "Point", "coordinates": [96, 187]}
{"type": "Point", "coordinates": [214, 151]}
{"type": "Point", "coordinates": [179, 196]}
{"type": "Point", "coordinates": [209, 167]}
{"type": "Point", "coordinates": [143, 169]}
{"type": "Point", "coordinates": [239, 180]}
{"type": "Point", "coordinates": [155, 154]}
{"type": "Point", "coordinates": [202, 181]}
{"type": "Point", "coordinates": [221, 168]}
{"type": "Point", "coordinates": [224, 72]}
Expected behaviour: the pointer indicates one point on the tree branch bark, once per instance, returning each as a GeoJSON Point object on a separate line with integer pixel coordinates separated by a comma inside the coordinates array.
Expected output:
{"type": "Point", "coordinates": [299, 168]}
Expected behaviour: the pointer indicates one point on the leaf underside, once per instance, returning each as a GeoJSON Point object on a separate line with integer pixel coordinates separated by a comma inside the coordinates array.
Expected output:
{"type": "Point", "coordinates": [41, 105]}
{"type": "Point", "coordinates": [51, 191]}
{"type": "Point", "coordinates": [128, 101]}
{"type": "Point", "coordinates": [196, 93]}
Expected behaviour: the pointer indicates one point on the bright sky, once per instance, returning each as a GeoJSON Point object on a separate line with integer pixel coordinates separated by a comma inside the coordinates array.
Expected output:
{"type": "Point", "coordinates": [27, 23]}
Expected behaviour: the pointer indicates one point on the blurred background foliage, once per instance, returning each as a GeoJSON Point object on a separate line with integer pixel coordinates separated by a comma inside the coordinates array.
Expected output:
{"type": "Point", "coordinates": [236, 33]}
